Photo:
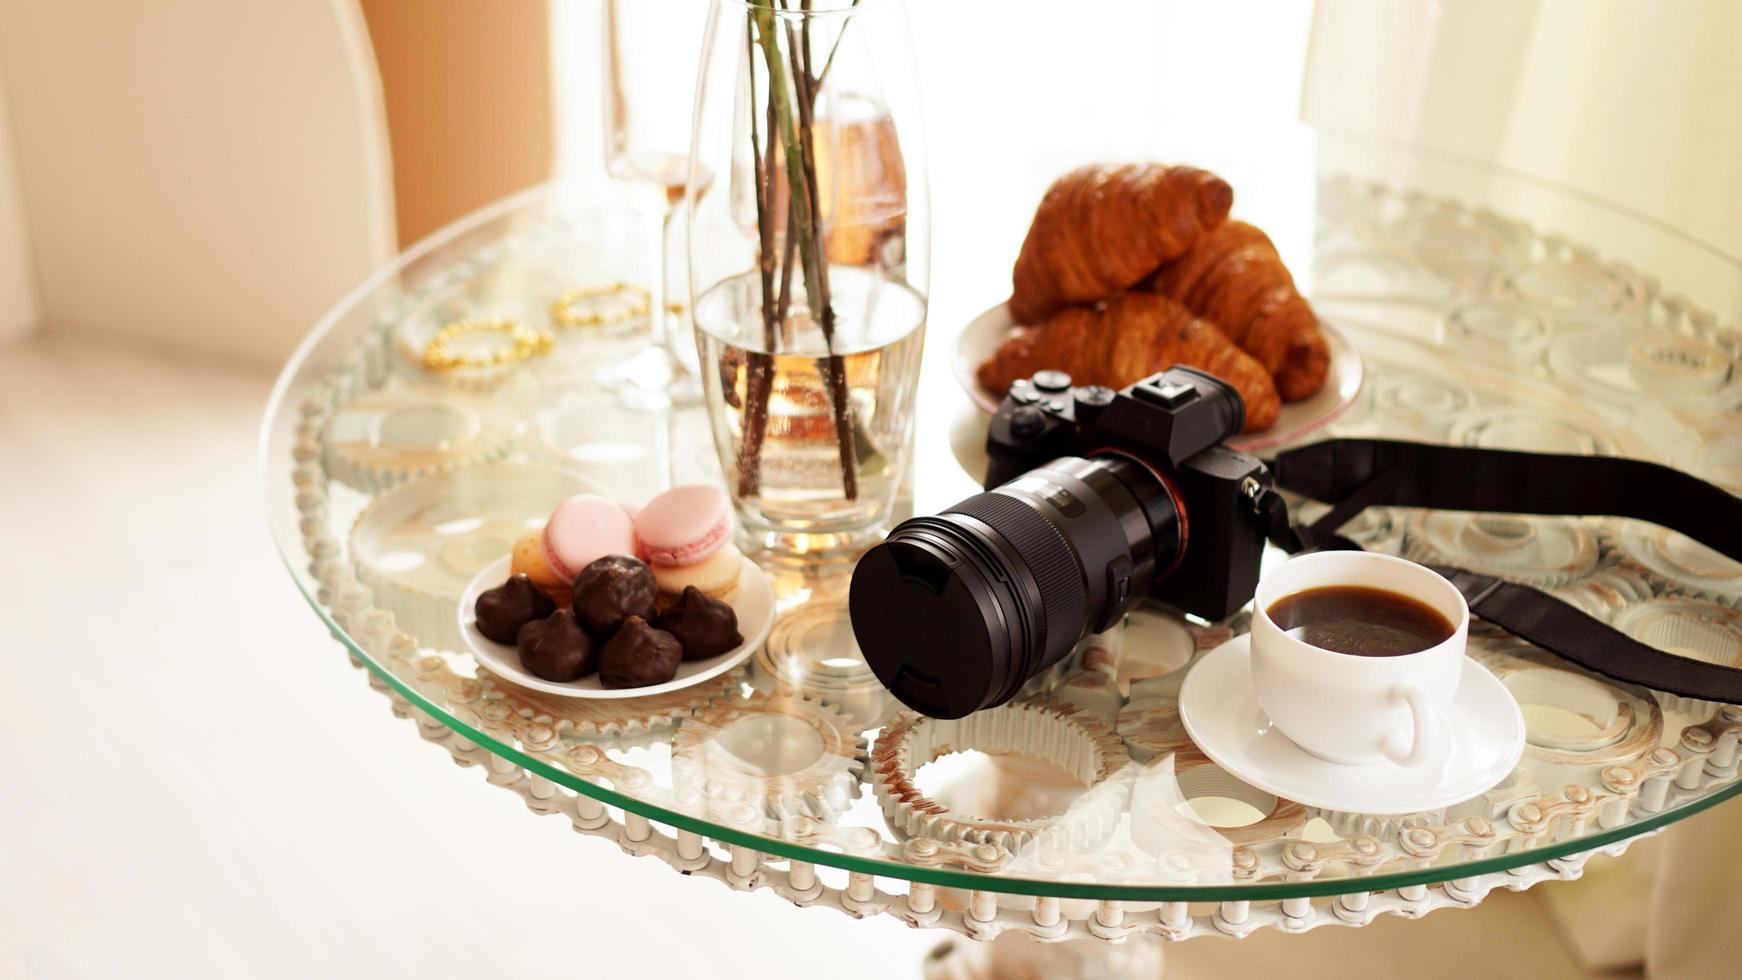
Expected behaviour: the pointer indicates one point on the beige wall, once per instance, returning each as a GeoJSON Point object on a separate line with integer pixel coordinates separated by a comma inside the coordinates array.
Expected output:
{"type": "Point", "coordinates": [210, 174]}
{"type": "Point", "coordinates": [468, 98]}
{"type": "Point", "coordinates": [17, 278]}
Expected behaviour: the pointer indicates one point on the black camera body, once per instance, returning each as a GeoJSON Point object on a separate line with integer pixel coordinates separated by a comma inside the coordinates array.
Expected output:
{"type": "Point", "coordinates": [1094, 499]}
{"type": "Point", "coordinates": [1173, 423]}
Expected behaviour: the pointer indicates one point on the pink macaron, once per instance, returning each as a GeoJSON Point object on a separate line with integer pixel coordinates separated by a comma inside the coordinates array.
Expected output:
{"type": "Point", "coordinates": [684, 525]}
{"type": "Point", "coordinates": [583, 529]}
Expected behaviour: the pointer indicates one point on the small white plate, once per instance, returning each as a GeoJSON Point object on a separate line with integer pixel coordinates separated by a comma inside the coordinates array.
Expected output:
{"type": "Point", "coordinates": [1221, 714]}
{"type": "Point", "coordinates": [753, 602]}
{"type": "Point", "coordinates": [985, 332]}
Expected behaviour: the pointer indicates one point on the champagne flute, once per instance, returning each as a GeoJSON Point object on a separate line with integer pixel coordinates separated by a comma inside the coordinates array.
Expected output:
{"type": "Point", "coordinates": [650, 50]}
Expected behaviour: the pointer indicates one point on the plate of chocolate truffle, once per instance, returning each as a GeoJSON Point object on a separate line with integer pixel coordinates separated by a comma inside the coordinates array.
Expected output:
{"type": "Point", "coordinates": [614, 601]}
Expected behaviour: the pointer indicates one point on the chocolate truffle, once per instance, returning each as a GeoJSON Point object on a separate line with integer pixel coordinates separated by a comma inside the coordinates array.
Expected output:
{"type": "Point", "coordinates": [503, 610]}
{"type": "Point", "coordinates": [556, 648]}
{"type": "Point", "coordinates": [612, 589]}
{"type": "Point", "coordinates": [639, 655]}
{"type": "Point", "coordinates": [704, 625]}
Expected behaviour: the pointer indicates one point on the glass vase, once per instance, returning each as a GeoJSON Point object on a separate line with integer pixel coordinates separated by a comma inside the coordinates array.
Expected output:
{"type": "Point", "coordinates": [809, 258]}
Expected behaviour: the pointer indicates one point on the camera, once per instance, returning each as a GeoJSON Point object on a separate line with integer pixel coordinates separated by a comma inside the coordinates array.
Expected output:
{"type": "Point", "coordinates": [1094, 499]}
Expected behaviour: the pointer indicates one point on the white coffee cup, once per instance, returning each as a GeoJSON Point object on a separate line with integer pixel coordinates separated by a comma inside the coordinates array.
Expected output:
{"type": "Point", "coordinates": [1352, 709]}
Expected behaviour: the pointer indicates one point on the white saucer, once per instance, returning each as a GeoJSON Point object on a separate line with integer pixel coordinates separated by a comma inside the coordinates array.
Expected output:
{"type": "Point", "coordinates": [1221, 713]}
{"type": "Point", "coordinates": [753, 602]}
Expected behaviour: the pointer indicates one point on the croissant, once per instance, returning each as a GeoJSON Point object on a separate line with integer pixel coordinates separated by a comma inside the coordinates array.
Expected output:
{"type": "Point", "coordinates": [1233, 277]}
{"type": "Point", "coordinates": [1101, 229]}
{"type": "Point", "coordinates": [1129, 338]}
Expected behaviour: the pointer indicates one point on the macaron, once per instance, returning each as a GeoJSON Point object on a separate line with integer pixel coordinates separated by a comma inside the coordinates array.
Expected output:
{"type": "Point", "coordinates": [685, 535]}
{"type": "Point", "coordinates": [529, 561]}
{"type": "Point", "coordinates": [717, 575]}
{"type": "Point", "coordinates": [684, 525]}
{"type": "Point", "coordinates": [583, 529]}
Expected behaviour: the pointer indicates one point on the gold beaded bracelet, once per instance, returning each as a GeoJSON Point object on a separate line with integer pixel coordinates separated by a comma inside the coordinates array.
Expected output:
{"type": "Point", "coordinates": [526, 343]}
{"type": "Point", "coordinates": [564, 314]}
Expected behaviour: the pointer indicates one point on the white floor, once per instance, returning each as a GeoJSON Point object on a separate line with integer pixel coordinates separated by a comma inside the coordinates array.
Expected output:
{"type": "Point", "coordinates": [193, 782]}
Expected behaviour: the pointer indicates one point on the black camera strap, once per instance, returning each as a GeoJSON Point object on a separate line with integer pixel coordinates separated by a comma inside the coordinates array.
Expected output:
{"type": "Point", "coordinates": [1353, 474]}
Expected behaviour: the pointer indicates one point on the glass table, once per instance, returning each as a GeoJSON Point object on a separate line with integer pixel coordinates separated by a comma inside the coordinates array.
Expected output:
{"type": "Point", "coordinates": [1082, 809]}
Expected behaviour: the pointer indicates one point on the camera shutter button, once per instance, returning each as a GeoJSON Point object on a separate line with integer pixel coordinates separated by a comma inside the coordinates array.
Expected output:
{"type": "Point", "coordinates": [1090, 401]}
{"type": "Point", "coordinates": [1027, 421]}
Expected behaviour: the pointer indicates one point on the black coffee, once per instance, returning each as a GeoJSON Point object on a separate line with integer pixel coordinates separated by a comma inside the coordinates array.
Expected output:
{"type": "Point", "coordinates": [1361, 621]}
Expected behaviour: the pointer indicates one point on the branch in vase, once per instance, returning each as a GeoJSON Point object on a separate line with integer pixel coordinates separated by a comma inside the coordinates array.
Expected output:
{"type": "Point", "coordinates": [834, 366]}
{"type": "Point", "coordinates": [800, 167]}
{"type": "Point", "coordinates": [764, 219]}
{"type": "Point", "coordinates": [789, 246]}
{"type": "Point", "coordinates": [759, 365]}
{"type": "Point", "coordinates": [809, 77]}
{"type": "Point", "coordinates": [829, 62]}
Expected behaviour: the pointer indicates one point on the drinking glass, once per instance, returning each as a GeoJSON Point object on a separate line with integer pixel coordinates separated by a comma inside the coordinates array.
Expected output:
{"type": "Point", "coordinates": [809, 258]}
{"type": "Point", "coordinates": [649, 48]}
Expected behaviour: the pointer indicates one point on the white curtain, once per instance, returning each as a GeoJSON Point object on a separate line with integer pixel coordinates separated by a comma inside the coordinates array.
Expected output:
{"type": "Point", "coordinates": [1634, 106]}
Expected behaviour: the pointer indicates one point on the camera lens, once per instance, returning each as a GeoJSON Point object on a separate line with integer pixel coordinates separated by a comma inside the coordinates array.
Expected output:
{"type": "Point", "coordinates": [956, 612]}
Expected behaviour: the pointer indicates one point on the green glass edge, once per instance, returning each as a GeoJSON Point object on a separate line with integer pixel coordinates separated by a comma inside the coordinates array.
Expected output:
{"type": "Point", "coordinates": [995, 883]}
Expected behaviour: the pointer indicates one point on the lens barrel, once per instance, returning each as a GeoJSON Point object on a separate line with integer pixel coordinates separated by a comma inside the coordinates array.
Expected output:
{"type": "Point", "coordinates": [956, 612]}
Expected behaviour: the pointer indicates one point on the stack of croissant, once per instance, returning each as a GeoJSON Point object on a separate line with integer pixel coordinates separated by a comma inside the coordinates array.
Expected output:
{"type": "Point", "coordinates": [1129, 270]}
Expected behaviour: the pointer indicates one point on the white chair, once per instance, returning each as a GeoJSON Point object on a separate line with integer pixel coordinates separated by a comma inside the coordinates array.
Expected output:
{"type": "Point", "coordinates": [207, 174]}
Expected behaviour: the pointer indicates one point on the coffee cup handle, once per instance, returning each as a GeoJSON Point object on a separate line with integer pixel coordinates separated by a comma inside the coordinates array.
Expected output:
{"type": "Point", "coordinates": [1429, 725]}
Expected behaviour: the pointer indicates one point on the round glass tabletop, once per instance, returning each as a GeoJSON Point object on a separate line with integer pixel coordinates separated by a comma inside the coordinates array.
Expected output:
{"type": "Point", "coordinates": [394, 475]}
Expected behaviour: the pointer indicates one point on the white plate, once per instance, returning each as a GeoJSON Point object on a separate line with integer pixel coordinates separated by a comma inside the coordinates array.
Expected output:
{"type": "Point", "coordinates": [1221, 714]}
{"type": "Point", "coordinates": [985, 332]}
{"type": "Point", "coordinates": [753, 602]}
